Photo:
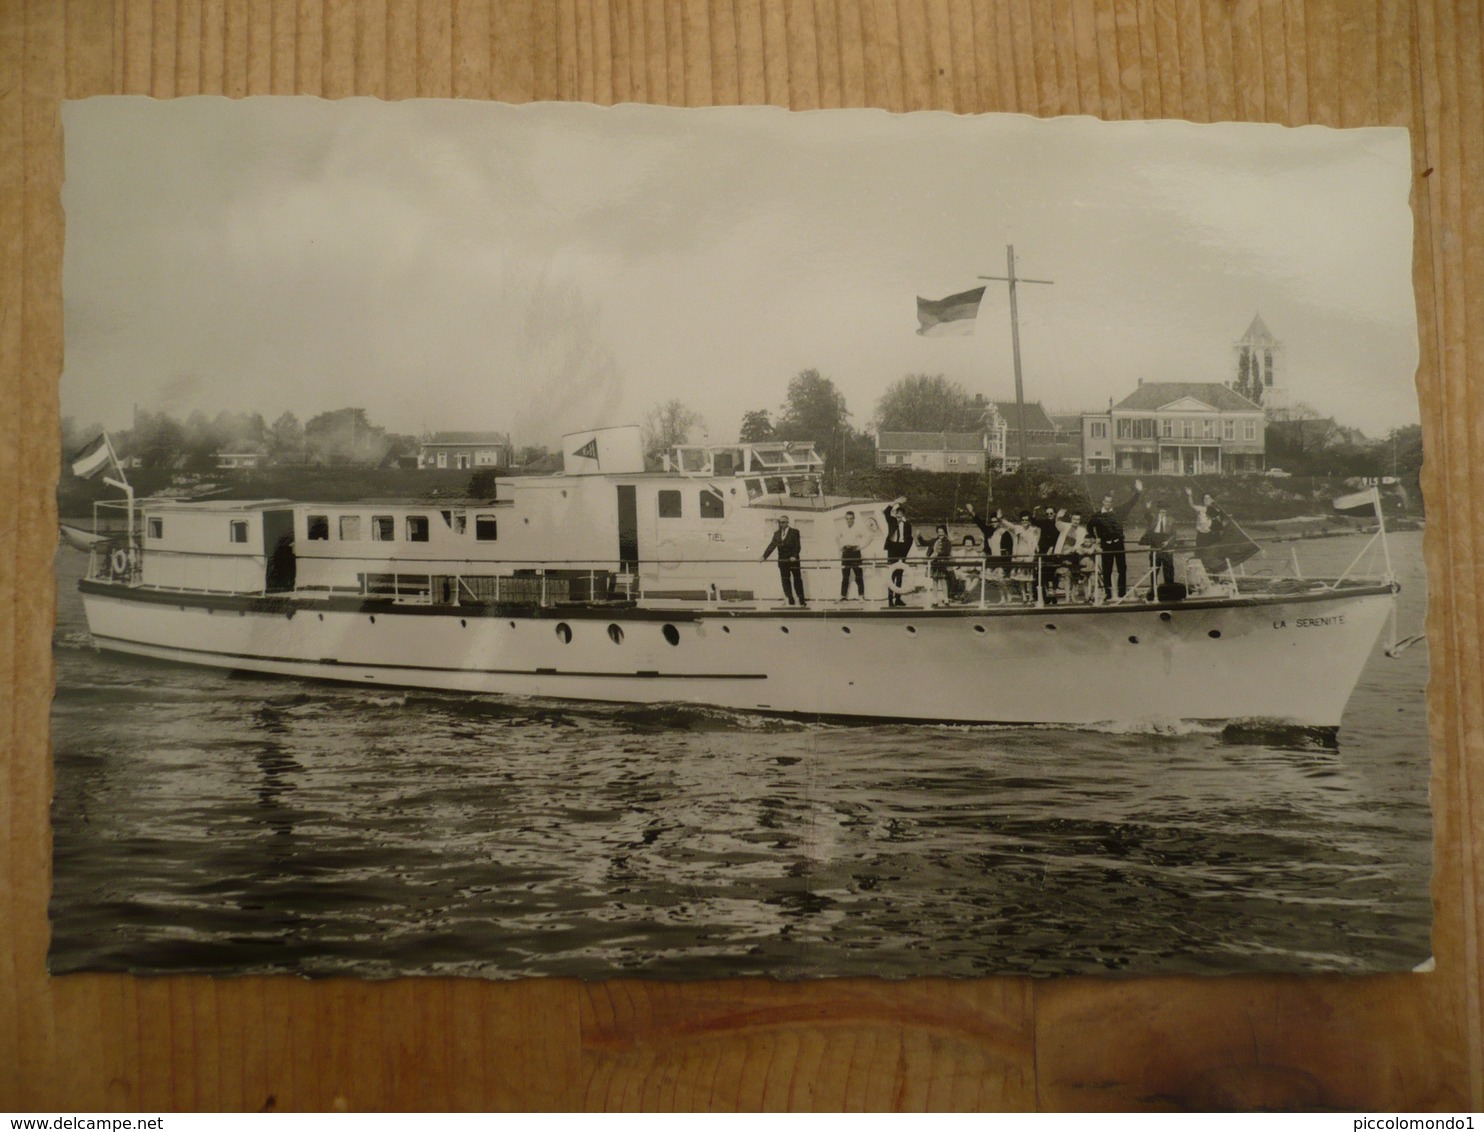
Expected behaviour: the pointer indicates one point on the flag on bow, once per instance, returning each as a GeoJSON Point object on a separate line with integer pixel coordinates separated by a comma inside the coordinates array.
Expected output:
{"type": "Point", "coordinates": [1361, 503]}
{"type": "Point", "coordinates": [94, 458]}
{"type": "Point", "coordinates": [938, 318]}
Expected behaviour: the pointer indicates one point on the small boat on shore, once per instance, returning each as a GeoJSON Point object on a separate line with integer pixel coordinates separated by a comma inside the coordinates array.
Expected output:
{"type": "Point", "coordinates": [608, 582]}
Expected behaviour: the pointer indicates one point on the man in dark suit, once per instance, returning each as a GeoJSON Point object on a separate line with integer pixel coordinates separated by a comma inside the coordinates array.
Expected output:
{"type": "Point", "coordinates": [1107, 528]}
{"type": "Point", "coordinates": [787, 543]}
{"type": "Point", "coordinates": [897, 545]}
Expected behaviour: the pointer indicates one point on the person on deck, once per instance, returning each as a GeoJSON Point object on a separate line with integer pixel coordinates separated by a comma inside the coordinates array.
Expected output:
{"type": "Point", "coordinates": [1107, 528]}
{"type": "Point", "coordinates": [1075, 552]}
{"type": "Point", "coordinates": [787, 543]}
{"type": "Point", "coordinates": [897, 545]}
{"type": "Point", "coordinates": [1210, 531]}
{"type": "Point", "coordinates": [940, 557]}
{"type": "Point", "coordinates": [1158, 536]}
{"type": "Point", "coordinates": [1045, 522]}
{"type": "Point", "coordinates": [851, 541]}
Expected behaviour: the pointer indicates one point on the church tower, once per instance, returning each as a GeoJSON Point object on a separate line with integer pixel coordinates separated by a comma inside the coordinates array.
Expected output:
{"type": "Point", "coordinates": [1258, 355]}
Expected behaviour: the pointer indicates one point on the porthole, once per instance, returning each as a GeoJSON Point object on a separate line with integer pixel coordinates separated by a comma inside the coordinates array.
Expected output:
{"type": "Point", "coordinates": [672, 634]}
{"type": "Point", "coordinates": [512, 624]}
{"type": "Point", "coordinates": [1050, 628]}
{"type": "Point", "coordinates": [1214, 634]}
{"type": "Point", "coordinates": [912, 629]}
{"type": "Point", "coordinates": [978, 628]}
{"type": "Point", "coordinates": [463, 624]}
{"type": "Point", "coordinates": [726, 628]}
{"type": "Point", "coordinates": [615, 634]}
{"type": "Point", "coordinates": [1133, 640]}
{"type": "Point", "coordinates": [1166, 616]}
{"type": "Point", "coordinates": [783, 628]}
{"type": "Point", "coordinates": [321, 616]}
{"type": "Point", "coordinates": [373, 619]}
{"type": "Point", "coordinates": [564, 632]}
{"type": "Point", "coordinates": [845, 629]}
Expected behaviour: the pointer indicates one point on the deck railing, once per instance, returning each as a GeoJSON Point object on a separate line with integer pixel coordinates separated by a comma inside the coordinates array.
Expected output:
{"type": "Point", "coordinates": [966, 581]}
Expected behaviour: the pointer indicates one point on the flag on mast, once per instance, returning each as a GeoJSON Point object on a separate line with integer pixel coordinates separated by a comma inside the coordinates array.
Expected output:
{"type": "Point", "coordinates": [939, 318]}
{"type": "Point", "coordinates": [94, 458]}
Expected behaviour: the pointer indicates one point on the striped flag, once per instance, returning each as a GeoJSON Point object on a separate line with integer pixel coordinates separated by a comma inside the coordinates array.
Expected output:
{"type": "Point", "coordinates": [938, 318]}
{"type": "Point", "coordinates": [1361, 503]}
{"type": "Point", "coordinates": [94, 458]}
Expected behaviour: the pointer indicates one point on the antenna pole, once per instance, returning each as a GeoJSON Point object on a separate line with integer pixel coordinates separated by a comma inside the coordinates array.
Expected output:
{"type": "Point", "coordinates": [1012, 279]}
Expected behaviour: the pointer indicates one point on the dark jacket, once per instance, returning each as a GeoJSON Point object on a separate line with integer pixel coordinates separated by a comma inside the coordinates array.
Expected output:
{"type": "Point", "coordinates": [1050, 532]}
{"type": "Point", "coordinates": [787, 544]}
{"type": "Point", "coordinates": [898, 540]}
{"type": "Point", "coordinates": [1107, 526]}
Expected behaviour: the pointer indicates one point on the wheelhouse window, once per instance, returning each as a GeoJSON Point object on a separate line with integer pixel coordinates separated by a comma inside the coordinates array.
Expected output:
{"type": "Point", "coordinates": [486, 529]}
{"type": "Point", "coordinates": [669, 504]}
{"type": "Point", "coordinates": [383, 529]}
{"type": "Point", "coordinates": [417, 528]}
{"type": "Point", "coordinates": [712, 505]}
{"type": "Point", "coordinates": [318, 528]}
{"type": "Point", "coordinates": [239, 530]}
{"type": "Point", "coordinates": [350, 528]}
{"type": "Point", "coordinates": [754, 488]}
{"type": "Point", "coordinates": [155, 528]}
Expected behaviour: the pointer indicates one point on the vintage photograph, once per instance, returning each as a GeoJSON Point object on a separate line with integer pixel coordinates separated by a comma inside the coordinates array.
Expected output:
{"type": "Point", "coordinates": [556, 540]}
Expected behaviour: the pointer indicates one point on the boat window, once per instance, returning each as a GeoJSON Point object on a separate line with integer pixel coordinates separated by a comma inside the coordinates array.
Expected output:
{"type": "Point", "coordinates": [712, 506]}
{"type": "Point", "coordinates": [754, 488]}
{"type": "Point", "coordinates": [775, 485]}
{"type": "Point", "coordinates": [670, 505]}
{"type": "Point", "coordinates": [417, 528]}
{"type": "Point", "coordinates": [319, 527]}
{"type": "Point", "coordinates": [485, 528]}
{"type": "Point", "coordinates": [383, 529]}
{"type": "Point", "coordinates": [239, 530]}
{"type": "Point", "coordinates": [156, 528]}
{"type": "Point", "coordinates": [350, 528]}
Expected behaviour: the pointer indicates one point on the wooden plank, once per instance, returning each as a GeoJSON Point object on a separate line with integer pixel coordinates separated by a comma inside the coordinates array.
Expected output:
{"type": "Point", "coordinates": [17, 915]}
{"type": "Point", "coordinates": [469, 29]}
{"type": "Point", "coordinates": [338, 76]}
{"type": "Point", "coordinates": [512, 63]}
{"type": "Point", "coordinates": [1248, 76]}
{"type": "Point", "coordinates": [402, 49]}
{"type": "Point", "coordinates": [213, 74]}
{"type": "Point", "coordinates": [187, 36]}
{"type": "Point", "coordinates": [1167, 46]}
{"type": "Point", "coordinates": [755, 1045]}
{"type": "Point", "coordinates": [309, 48]}
{"type": "Point", "coordinates": [1246, 1044]}
{"type": "Point", "coordinates": [89, 44]}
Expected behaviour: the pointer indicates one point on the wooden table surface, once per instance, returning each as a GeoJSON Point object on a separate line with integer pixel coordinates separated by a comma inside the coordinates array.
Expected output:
{"type": "Point", "coordinates": [1401, 1041]}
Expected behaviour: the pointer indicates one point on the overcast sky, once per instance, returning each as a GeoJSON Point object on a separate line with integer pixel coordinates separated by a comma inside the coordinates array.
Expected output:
{"type": "Point", "coordinates": [548, 268]}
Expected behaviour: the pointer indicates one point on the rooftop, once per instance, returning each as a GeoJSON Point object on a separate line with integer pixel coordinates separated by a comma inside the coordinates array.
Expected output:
{"type": "Point", "coordinates": [1153, 395]}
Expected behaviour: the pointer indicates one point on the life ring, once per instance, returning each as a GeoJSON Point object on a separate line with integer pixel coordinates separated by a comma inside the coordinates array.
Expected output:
{"type": "Point", "coordinates": [120, 561]}
{"type": "Point", "coordinates": [891, 586]}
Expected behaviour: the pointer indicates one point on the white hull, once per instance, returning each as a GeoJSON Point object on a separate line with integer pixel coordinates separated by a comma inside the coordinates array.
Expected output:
{"type": "Point", "coordinates": [1291, 661]}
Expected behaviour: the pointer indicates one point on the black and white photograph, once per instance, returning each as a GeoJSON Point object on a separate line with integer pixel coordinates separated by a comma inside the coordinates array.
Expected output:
{"type": "Point", "coordinates": [553, 540]}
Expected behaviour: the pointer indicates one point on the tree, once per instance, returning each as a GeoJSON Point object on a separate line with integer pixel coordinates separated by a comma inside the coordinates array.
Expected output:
{"type": "Point", "coordinates": [667, 425]}
{"type": "Point", "coordinates": [815, 410]}
{"type": "Point", "coordinates": [286, 440]}
{"type": "Point", "coordinates": [1297, 437]}
{"type": "Point", "coordinates": [756, 426]}
{"type": "Point", "coordinates": [344, 436]}
{"type": "Point", "coordinates": [927, 403]}
{"type": "Point", "coordinates": [1402, 451]}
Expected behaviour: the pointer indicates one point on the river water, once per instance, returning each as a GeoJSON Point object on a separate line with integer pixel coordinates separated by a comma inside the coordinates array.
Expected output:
{"type": "Point", "coordinates": [227, 823]}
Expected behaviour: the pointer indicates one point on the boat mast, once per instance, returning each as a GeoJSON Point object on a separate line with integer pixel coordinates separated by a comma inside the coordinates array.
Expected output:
{"type": "Point", "coordinates": [1012, 279]}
